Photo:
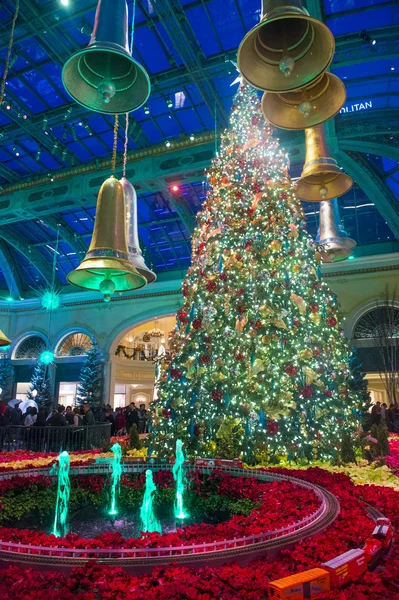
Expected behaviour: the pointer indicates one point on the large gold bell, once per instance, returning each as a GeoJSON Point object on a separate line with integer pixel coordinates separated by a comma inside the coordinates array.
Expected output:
{"type": "Point", "coordinates": [106, 267]}
{"type": "Point", "coordinates": [132, 234]}
{"type": "Point", "coordinates": [4, 341]}
{"type": "Point", "coordinates": [104, 77]}
{"type": "Point", "coordinates": [287, 50]}
{"type": "Point", "coordinates": [310, 106]}
{"type": "Point", "coordinates": [332, 239]}
{"type": "Point", "coordinates": [321, 178]}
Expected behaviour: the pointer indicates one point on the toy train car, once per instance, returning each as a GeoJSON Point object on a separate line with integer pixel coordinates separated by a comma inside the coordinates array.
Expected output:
{"type": "Point", "coordinates": [383, 531]}
{"type": "Point", "coordinates": [302, 586]}
{"type": "Point", "coordinates": [346, 567]}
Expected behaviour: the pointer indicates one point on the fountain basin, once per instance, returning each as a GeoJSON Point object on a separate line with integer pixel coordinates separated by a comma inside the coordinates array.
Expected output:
{"type": "Point", "coordinates": [238, 548]}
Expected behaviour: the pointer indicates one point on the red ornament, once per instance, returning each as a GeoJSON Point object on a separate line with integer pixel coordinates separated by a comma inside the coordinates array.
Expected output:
{"type": "Point", "coordinates": [241, 309]}
{"type": "Point", "coordinates": [183, 317]}
{"type": "Point", "coordinates": [331, 321]}
{"type": "Point", "coordinates": [297, 322]}
{"type": "Point", "coordinates": [256, 188]}
{"type": "Point", "coordinates": [239, 356]}
{"type": "Point", "coordinates": [201, 246]}
{"type": "Point", "coordinates": [272, 427]}
{"type": "Point", "coordinates": [211, 286]}
{"type": "Point", "coordinates": [197, 323]}
{"type": "Point", "coordinates": [223, 276]}
{"type": "Point", "coordinates": [256, 164]}
{"type": "Point", "coordinates": [166, 413]}
{"type": "Point", "coordinates": [240, 292]}
{"type": "Point", "coordinates": [284, 196]}
{"type": "Point", "coordinates": [255, 120]}
{"type": "Point", "coordinates": [258, 324]}
{"type": "Point", "coordinates": [175, 374]}
{"type": "Point", "coordinates": [250, 212]}
{"type": "Point", "coordinates": [216, 395]}
{"type": "Point", "coordinates": [248, 244]}
{"type": "Point", "coordinates": [205, 359]}
{"type": "Point", "coordinates": [291, 252]}
{"type": "Point", "coordinates": [317, 352]}
{"type": "Point", "coordinates": [307, 391]}
{"type": "Point", "coordinates": [314, 308]}
{"type": "Point", "coordinates": [291, 370]}
{"type": "Point", "coordinates": [318, 436]}
{"type": "Point", "coordinates": [238, 194]}
{"type": "Point", "coordinates": [207, 339]}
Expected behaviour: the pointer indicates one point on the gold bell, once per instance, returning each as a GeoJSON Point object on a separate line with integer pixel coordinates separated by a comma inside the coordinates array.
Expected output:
{"type": "Point", "coordinates": [132, 234]}
{"type": "Point", "coordinates": [287, 50]}
{"type": "Point", "coordinates": [310, 106]}
{"type": "Point", "coordinates": [332, 239]}
{"type": "Point", "coordinates": [4, 341]}
{"type": "Point", "coordinates": [321, 178]}
{"type": "Point", "coordinates": [106, 267]}
{"type": "Point", "coordinates": [104, 77]}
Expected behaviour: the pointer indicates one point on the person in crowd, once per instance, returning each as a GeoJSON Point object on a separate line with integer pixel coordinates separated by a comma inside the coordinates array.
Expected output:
{"type": "Point", "coordinates": [120, 422]}
{"type": "Point", "coordinates": [57, 419]}
{"type": "Point", "coordinates": [132, 416]}
{"type": "Point", "coordinates": [88, 416]}
{"type": "Point", "coordinates": [143, 418]}
{"type": "Point", "coordinates": [77, 417]}
{"type": "Point", "coordinates": [16, 415]}
{"type": "Point", "coordinates": [384, 409]}
{"type": "Point", "coordinates": [3, 407]}
{"type": "Point", "coordinates": [31, 416]}
{"type": "Point", "coordinates": [69, 415]}
{"type": "Point", "coordinates": [4, 420]}
{"type": "Point", "coordinates": [376, 414]}
{"type": "Point", "coordinates": [109, 418]}
{"type": "Point", "coordinates": [41, 420]}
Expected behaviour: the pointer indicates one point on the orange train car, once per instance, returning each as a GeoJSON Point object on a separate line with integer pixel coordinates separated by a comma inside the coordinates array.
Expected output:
{"type": "Point", "coordinates": [302, 586]}
{"type": "Point", "coordinates": [346, 567]}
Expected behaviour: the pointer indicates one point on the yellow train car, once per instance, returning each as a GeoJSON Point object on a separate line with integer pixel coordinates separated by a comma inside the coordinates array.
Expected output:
{"type": "Point", "coordinates": [302, 586]}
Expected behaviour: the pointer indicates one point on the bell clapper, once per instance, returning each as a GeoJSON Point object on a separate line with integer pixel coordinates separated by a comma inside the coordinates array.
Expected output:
{"type": "Point", "coordinates": [107, 288]}
{"type": "Point", "coordinates": [287, 63]}
{"type": "Point", "coordinates": [107, 91]}
{"type": "Point", "coordinates": [305, 108]}
{"type": "Point", "coordinates": [323, 191]}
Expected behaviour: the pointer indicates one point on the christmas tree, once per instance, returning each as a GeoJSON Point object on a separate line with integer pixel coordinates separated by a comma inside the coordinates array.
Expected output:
{"type": "Point", "coordinates": [6, 372]}
{"type": "Point", "coordinates": [90, 384]}
{"type": "Point", "coordinates": [259, 364]}
{"type": "Point", "coordinates": [40, 383]}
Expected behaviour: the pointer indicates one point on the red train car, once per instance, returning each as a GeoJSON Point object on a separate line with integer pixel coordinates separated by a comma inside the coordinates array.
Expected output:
{"type": "Point", "coordinates": [373, 549]}
{"type": "Point", "coordinates": [383, 531]}
{"type": "Point", "coordinates": [346, 567]}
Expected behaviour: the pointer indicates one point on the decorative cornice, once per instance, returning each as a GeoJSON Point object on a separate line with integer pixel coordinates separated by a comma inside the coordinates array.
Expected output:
{"type": "Point", "coordinates": [361, 271]}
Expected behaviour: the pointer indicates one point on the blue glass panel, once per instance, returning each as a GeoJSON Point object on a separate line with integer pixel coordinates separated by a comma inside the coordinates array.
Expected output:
{"type": "Point", "coordinates": [147, 44]}
{"type": "Point", "coordinates": [379, 17]}
{"type": "Point", "coordinates": [203, 30]}
{"type": "Point", "coordinates": [334, 6]}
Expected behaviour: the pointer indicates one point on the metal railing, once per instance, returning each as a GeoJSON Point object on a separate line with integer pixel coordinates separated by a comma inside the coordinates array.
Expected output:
{"type": "Point", "coordinates": [54, 439]}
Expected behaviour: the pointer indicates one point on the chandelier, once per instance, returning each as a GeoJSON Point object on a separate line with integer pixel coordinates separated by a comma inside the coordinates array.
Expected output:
{"type": "Point", "coordinates": [156, 332]}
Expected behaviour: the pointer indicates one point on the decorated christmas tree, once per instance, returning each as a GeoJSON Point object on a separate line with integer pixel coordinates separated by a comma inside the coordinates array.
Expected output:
{"type": "Point", "coordinates": [40, 386]}
{"type": "Point", "coordinates": [6, 371]}
{"type": "Point", "coordinates": [259, 364]}
{"type": "Point", "coordinates": [90, 382]}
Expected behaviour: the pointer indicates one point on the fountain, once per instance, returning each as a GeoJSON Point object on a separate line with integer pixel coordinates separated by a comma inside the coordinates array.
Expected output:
{"type": "Point", "coordinates": [63, 493]}
{"type": "Point", "coordinates": [148, 520]}
{"type": "Point", "coordinates": [116, 476]}
{"type": "Point", "coordinates": [179, 479]}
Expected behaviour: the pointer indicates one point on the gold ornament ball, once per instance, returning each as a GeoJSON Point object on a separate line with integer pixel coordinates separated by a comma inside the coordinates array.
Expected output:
{"type": "Point", "coordinates": [266, 339]}
{"type": "Point", "coordinates": [315, 317]}
{"type": "Point", "coordinates": [275, 245]}
{"type": "Point", "coordinates": [245, 408]}
{"type": "Point", "coordinates": [211, 446]}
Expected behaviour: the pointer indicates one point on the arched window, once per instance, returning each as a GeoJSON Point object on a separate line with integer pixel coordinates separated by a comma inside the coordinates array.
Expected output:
{"type": "Point", "coordinates": [380, 322]}
{"type": "Point", "coordinates": [75, 344]}
{"type": "Point", "coordinates": [30, 348]}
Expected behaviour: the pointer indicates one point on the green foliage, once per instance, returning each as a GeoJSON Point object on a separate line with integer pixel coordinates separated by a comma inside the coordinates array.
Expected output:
{"type": "Point", "coordinates": [381, 434]}
{"type": "Point", "coordinates": [134, 440]}
{"type": "Point", "coordinates": [359, 385]}
{"type": "Point", "coordinates": [347, 448]}
{"type": "Point", "coordinates": [90, 379]}
{"type": "Point", "coordinates": [41, 382]}
{"type": "Point", "coordinates": [6, 373]}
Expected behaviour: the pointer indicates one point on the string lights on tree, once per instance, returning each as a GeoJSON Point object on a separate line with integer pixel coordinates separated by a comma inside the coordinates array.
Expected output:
{"type": "Point", "coordinates": [259, 364]}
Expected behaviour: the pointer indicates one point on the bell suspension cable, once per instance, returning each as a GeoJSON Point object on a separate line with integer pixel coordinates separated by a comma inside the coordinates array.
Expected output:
{"type": "Point", "coordinates": [125, 145]}
{"type": "Point", "coordinates": [133, 20]}
{"type": "Point", "coordinates": [9, 49]}
{"type": "Point", "coordinates": [114, 150]}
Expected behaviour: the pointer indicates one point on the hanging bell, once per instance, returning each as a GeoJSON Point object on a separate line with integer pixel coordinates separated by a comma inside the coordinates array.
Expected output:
{"type": "Point", "coordinates": [332, 239]}
{"type": "Point", "coordinates": [321, 178]}
{"type": "Point", "coordinates": [133, 244]}
{"type": "Point", "coordinates": [309, 106]}
{"type": "Point", "coordinates": [104, 77]}
{"type": "Point", "coordinates": [287, 50]}
{"type": "Point", "coordinates": [106, 267]}
{"type": "Point", "coordinates": [4, 341]}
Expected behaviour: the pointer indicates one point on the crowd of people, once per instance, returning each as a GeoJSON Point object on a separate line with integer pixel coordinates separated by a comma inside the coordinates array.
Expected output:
{"type": "Point", "coordinates": [121, 419]}
{"type": "Point", "coordinates": [380, 413]}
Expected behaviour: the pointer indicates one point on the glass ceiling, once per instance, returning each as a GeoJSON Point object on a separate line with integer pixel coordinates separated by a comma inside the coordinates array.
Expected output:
{"type": "Point", "coordinates": [42, 130]}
